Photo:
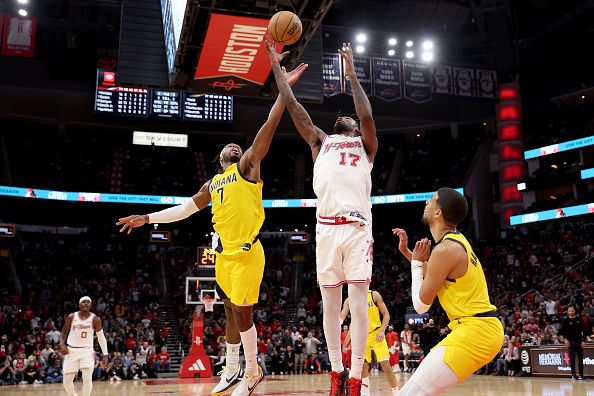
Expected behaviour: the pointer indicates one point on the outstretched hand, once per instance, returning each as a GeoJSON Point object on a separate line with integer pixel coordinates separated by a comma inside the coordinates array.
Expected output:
{"type": "Point", "coordinates": [132, 221]}
{"type": "Point", "coordinates": [346, 53]}
{"type": "Point", "coordinates": [422, 250]}
{"type": "Point", "coordinates": [294, 75]}
{"type": "Point", "coordinates": [402, 242]}
{"type": "Point", "coordinates": [274, 56]}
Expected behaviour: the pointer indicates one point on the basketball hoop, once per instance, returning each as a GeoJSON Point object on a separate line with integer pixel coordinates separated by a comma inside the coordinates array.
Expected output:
{"type": "Point", "coordinates": [209, 303]}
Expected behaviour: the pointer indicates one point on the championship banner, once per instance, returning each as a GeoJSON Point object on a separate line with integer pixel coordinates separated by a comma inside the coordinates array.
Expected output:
{"type": "Point", "coordinates": [363, 71]}
{"type": "Point", "coordinates": [332, 74]}
{"type": "Point", "coordinates": [464, 81]}
{"type": "Point", "coordinates": [386, 79]}
{"type": "Point", "coordinates": [486, 83]}
{"type": "Point", "coordinates": [233, 59]}
{"type": "Point", "coordinates": [417, 81]}
{"type": "Point", "coordinates": [18, 38]}
{"type": "Point", "coordinates": [442, 79]}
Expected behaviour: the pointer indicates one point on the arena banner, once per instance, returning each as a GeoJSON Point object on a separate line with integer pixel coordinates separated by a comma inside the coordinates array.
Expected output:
{"type": "Point", "coordinates": [417, 81]}
{"type": "Point", "coordinates": [233, 59]}
{"type": "Point", "coordinates": [332, 74]}
{"type": "Point", "coordinates": [464, 84]}
{"type": "Point", "coordinates": [363, 71]}
{"type": "Point", "coordinates": [386, 79]}
{"type": "Point", "coordinates": [35, 193]}
{"type": "Point", "coordinates": [441, 78]}
{"type": "Point", "coordinates": [553, 360]}
{"type": "Point", "coordinates": [18, 38]}
{"type": "Point", "coordinates": [486, 83]}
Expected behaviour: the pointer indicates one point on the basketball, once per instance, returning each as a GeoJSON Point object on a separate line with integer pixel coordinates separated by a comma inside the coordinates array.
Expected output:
{"type": "Point", "coordinates": [284, 27]}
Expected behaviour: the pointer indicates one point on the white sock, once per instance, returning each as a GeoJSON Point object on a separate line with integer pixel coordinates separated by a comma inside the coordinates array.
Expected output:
{"type": "Point", "coordinates": [249, 339]}
{"type": "Point", "coordinates": [232, 357]}
{"type": "Point", "coordinates": [332, 303]}
{"type": "Point", "coordinates": [359, 326]}
{"type": "Point", "coordinates": [365, 381]}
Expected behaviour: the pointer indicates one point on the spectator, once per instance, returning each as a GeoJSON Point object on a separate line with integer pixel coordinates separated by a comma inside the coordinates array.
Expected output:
{"type": "Point", "coordinates": [575, 339]}
{"type": "Point", "coordinates": [299, 353]}
{"type": "Point", "coordinates": [7, 373]}
{"type": "Point", "coordinates": [311, 344]}
{"type": "Point", "coordinates": [115, 370]}
{"type": "Point", "coordinates": [290, 360]}
{"type": "Point", "coordinates": [312, 365]}
{"type": "Point", "coordinates": [54, 372]}
{"type": "Point", "coordinates": [32, 373]}
{"type": "Point", "coordinates": [162, 363]}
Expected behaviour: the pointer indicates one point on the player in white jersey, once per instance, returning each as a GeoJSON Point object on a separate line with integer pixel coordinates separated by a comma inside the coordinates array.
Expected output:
{"type": "Point", "coordinates": [342, 183]}
{"type": "Point", "coordinates": [78, 331]}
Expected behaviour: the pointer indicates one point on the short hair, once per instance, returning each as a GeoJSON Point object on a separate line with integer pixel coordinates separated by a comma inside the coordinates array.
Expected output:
{"type": "Point", "coordinates": [453, 205]}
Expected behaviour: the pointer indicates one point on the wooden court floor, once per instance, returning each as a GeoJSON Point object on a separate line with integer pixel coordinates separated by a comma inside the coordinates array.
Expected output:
{"type": "Point", "coordinates": [316, 385]}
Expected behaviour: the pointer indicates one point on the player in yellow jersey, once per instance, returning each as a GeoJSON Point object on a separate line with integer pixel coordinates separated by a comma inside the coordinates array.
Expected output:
{"type": "Point", "coordinates": [453, 273]}
{"type": "Point", "coordinates": [376, 340]}
{"type": "Point", "coordinates": [237, 215]}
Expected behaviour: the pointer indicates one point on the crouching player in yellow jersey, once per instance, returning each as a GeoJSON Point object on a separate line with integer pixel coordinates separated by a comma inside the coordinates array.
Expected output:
{"type": "Point", "coordinates": [453, 273]}
{"type": "Point", "coordinates": [237, 215]}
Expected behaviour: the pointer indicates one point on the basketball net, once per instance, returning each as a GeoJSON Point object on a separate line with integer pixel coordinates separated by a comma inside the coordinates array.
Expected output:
{"type": "Point", "coordinates": [209, 303]}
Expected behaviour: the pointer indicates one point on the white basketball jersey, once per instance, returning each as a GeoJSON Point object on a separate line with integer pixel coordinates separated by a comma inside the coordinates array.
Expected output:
{"type": "Point", "coordinates": [81, 331]}
{"type": "Point", "coordinates": [342, 177]}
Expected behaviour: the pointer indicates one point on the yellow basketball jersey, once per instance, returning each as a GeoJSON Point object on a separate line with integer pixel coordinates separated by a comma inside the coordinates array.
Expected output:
{"type": "Point", "coordinates": [468, 295]}
{"type": "Point", "coordinates": [373, 313]}
{"type": "Point", "coordinates": [237, 211]}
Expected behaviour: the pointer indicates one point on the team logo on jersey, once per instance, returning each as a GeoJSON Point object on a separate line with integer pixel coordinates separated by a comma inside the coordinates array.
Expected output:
{"type": "Point", "coordinates": [341, 146]}
{"type": "Point", "coordinates": [222, 181]}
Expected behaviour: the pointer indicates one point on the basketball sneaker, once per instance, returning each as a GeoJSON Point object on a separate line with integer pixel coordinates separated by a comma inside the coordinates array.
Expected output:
{"type": "Point", "coordinates": [355, 387]}
{"type": "Point", "coordinates": [248, 384]}
{"type": "Point", "coordinates": [229, 378]}
{"type": "Point", "coordinates": [339, 383]}
{"type": "Point", "coordinates": [365, 390]}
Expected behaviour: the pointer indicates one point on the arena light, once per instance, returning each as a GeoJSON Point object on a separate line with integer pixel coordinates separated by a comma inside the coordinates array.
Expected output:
{"type": "Point", "coordinates": [521, 186]}
{"type": "Point", "coordinates": [22, 1]}
{"type": "Point", "coordinates": [392, 41]}
{"type": "Point", "coordinates": [359, 49]}
{"type": "Point", "coordinates": [427, 56]}
{"type": "Point", "coordinates": [361, 37]}
{"type": "Point", "coordinates": [427, 45]}
{"type": "Point", "coordinates": [391, 52]}
{"type": "Point", "coordinates": [23, 12]}
{"type": "Point", "coordinates": [409, 54]}
{"type": "Point", "coordinates": [409, 43]}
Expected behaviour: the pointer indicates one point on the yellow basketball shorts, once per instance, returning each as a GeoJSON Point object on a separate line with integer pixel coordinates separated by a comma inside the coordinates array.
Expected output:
{"type": "Point", "coordinates": [239, 275]}
{"type": "Point", "coordinates": [472, 343]}
{"type": "Point", "coordinates": [380, 348]}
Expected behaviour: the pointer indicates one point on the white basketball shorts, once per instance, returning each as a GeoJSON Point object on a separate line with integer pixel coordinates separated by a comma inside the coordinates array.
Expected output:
{"type": "Point", "coordinates": [79, 359]}
{"type": "Point", "coordinates": [344, 253]}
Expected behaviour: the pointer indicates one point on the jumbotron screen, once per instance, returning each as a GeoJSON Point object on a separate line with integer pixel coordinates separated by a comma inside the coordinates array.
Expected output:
{"type": "Point", "coordinates": [111, 98]}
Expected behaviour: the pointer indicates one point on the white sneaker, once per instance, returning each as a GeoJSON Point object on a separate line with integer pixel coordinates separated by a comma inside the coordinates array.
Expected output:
{"type": "Point", "coordinates": [111, 379]}
{"type": "Point", "coordinates": [248, 384]}
{"type": "Point", "coordinates": [117, 378]}
{"type": "Point", "coordinates": [37, 382]}
{"type": "Point", "coordinates": [229, 378]}
{"type": "Point", "coordinates": [136, 377]}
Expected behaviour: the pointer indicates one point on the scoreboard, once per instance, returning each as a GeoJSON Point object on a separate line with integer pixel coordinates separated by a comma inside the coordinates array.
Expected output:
{"type": "Point", "coordinates": [111, 98]}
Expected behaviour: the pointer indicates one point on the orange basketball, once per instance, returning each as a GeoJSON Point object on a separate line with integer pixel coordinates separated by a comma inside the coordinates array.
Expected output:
{"type": "Point", "coordinates": [284, 27]}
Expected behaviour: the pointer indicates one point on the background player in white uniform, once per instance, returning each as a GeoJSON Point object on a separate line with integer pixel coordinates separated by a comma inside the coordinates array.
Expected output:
{"type": "Point", "coordinates": [342, 183]}
{"type": "Point", "coordinates": [79, 329]}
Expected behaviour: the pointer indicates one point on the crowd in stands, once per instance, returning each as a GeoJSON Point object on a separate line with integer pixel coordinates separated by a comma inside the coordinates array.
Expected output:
{"type": "Point", "coordinates": [54, 270]}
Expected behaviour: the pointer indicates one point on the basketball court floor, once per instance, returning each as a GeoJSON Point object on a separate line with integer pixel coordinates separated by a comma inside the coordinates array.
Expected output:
{"type": "Point", "coordinates": [317, 385]}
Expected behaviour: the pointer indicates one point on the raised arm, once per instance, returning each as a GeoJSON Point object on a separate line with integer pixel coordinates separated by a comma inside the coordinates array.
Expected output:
{"type": "Point", "coordinates": [199, 201]}
{"type": "Point", "coordinates": [253, 156]}
{"type": "Point", "coordinates": [362, 105]}
{"type": "Point", "coordinates": [311, 133]}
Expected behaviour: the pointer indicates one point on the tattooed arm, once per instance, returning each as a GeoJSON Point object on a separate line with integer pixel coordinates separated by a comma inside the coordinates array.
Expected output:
{"type": "Point", "coordinates": [311, 133]}
{"type": "Point", "coordinates": [362, 105]}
